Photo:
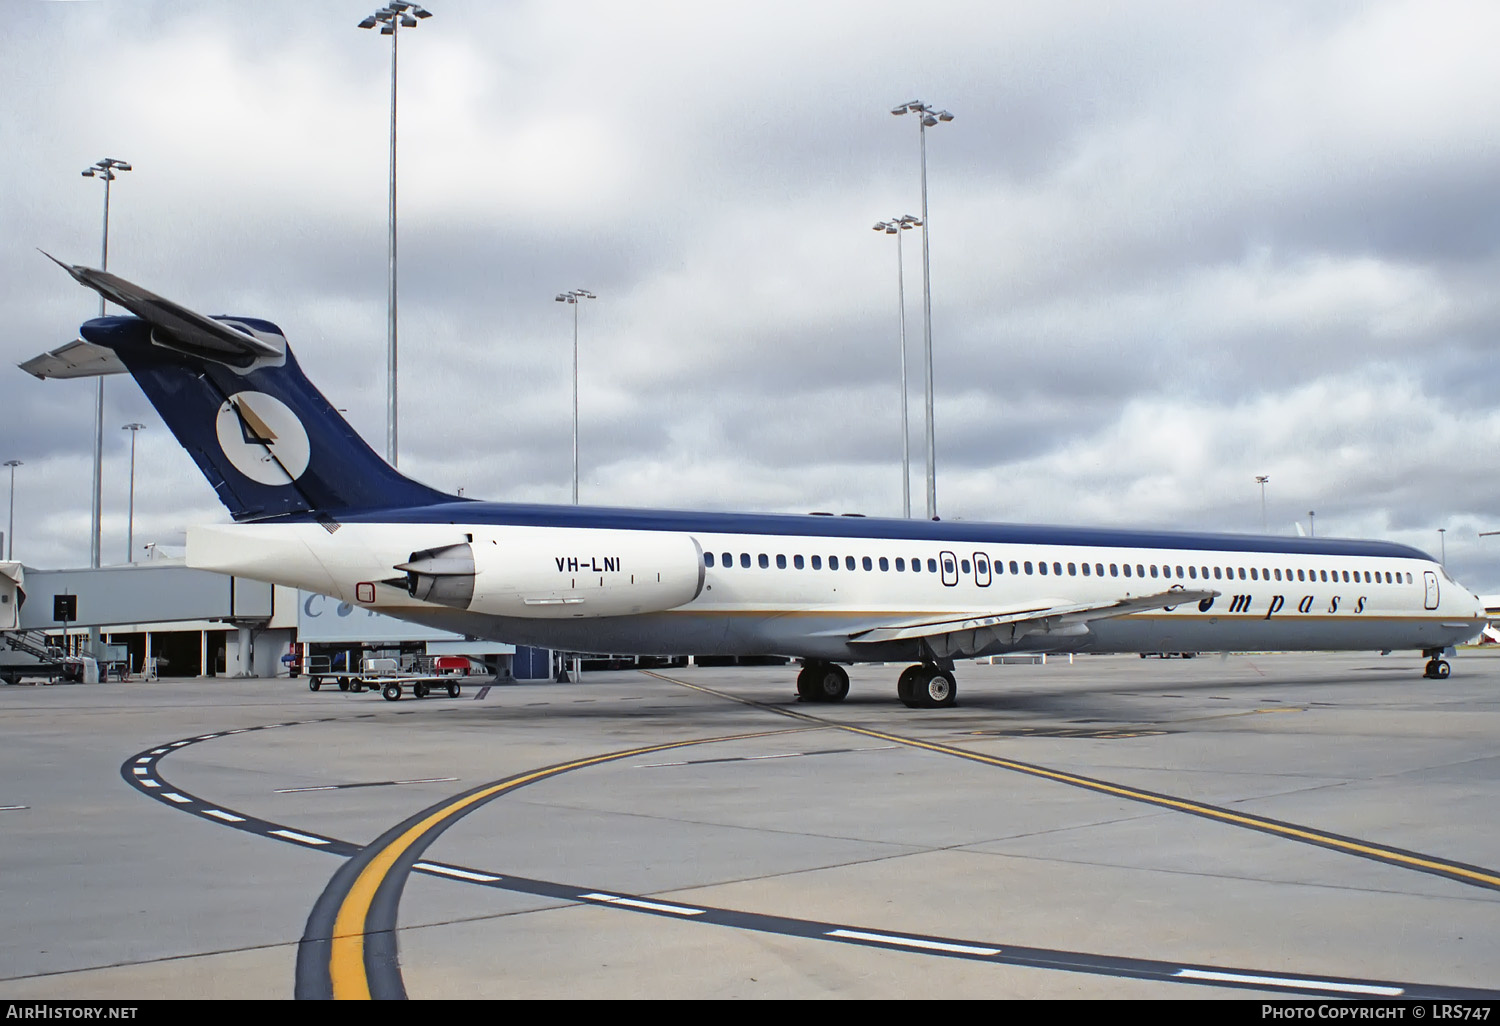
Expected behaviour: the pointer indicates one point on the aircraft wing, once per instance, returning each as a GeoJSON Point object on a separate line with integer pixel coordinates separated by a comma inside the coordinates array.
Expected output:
{"type": "Point", "coordinates": [176, 326]}
{"type": "Point", "coordinates": [975, 631]}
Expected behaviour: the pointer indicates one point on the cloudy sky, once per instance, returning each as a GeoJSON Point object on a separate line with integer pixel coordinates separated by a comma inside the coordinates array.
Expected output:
{"type": "Point", "coordinates": [1174, 246]}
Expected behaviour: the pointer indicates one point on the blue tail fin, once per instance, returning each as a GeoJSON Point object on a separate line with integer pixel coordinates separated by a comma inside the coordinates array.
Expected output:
{"type": "Point", "coordinates": [231, 391]}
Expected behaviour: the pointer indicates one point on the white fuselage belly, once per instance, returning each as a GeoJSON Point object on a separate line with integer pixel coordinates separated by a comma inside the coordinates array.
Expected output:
{"type": "Point", "coordinates": [566, 587]}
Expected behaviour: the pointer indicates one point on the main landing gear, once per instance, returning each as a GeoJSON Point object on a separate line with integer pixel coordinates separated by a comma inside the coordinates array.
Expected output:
{"type": "Point", "coordinates": [822, 682]}
{"type": "Point", "coordinates": [1437, 669]}
{"type": "Point", "coordinates": [927, 686]}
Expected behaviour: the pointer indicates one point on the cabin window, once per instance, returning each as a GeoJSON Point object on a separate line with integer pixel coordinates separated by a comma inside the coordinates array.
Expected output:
{"type": "Point", "coordinates": [1085, 569]}
{"type": "Point", "coordinates": [867, 564]}
{"type": "Point", "coordinates": [963, 564]}
{"type": "Point", "coordinates": [1205, 573]}
{"type": "Point", "coordinates": [797, 561]}
{"type": "Point", "coordinates": [1242, 573]}
{"type": "Point", "coordinates": [849, 562]}
{"type": "Point", "coordinates": [727, 560]}
{"type": "Point", "coordinates": [1299, 576]}
{"type": "Point", "coordinates": [916, 566]}
{"type": "Point", "coordinates": [1014, 570]}
{"type": "Point", "coordinates": [1127, 569]}
{"type": "Point", "coordinates": [1277, 573]}
{"type": "Point", "coordinates": [708, 559]}
{"type": "Point", "coordinates": [1153, 569]}
{"type": "Point", "coordinates": [1193, 572]}
{"type": "Point", "coordinates": [932, 566]}
{"type": "Point", "coordinates": [833, 562]}
{"type": "Point", "coordinates": [885, 564]}
{"type": "Point", "coordinates": [1028, 568]}
{"type": "Point", "coordinates": [900, 565]}
{"type": "Point", "coordinates": [780, 561]}
{"type": "Point", "coordinates": [745, 560]}
{"type": "Point", "coordinates": [817, 562]}
{"type": "Point", "coordinates": [982, 565]}
{"type": "Point", "coordinates": [765, 561]}
{"type": "Point", "coordinates": [1346, 577]}
{"type": "Point", "coordinates": [1098, 569]}
{"type": "Point", "coordinates": [1041, 568]}
{"type": "Point", "coordinates": [947, 566]}
{"type": "Point", "coordinates": [1140, 571]}
{"type": "Point", "coordinates": [1114, 570]}
{"type": "Point", "coordinates": [1387, 577]}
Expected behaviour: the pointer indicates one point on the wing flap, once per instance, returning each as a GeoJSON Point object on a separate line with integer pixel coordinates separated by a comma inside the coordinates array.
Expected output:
{"type": "Point", "coordinates": [1048, 616]}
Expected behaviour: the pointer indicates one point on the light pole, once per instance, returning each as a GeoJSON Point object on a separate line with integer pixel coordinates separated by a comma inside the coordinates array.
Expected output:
{"type": "Point", "coordinates": [10, 532]}
{"type": "Point", "coordinates": [392, 18]}
{"type": "Point", "coordinates": [105, 170]}
{"type": "Point", "coordinates": [1443, 543]}
{"type": "Point", "coordinates": [1261, 480]}
{"type": "Point", "coordinates": [572, 297]}
{"type": "Point", "coordinates": [926, 117]}
{"type": "Point", "coordinates": [1311, 526]}
{"type": "Point", "coordinates": [896, 227]}
{"type": "Point", "coordinates": [130, 521]}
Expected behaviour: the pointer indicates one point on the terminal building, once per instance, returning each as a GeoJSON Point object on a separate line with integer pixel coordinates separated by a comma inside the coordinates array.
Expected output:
{"type": "Point", "coordinates": [165, 619]}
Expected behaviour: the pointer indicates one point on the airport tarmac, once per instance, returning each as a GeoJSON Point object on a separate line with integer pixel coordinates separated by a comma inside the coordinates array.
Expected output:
{"type": "Point", "coordinates": [1251, 826]}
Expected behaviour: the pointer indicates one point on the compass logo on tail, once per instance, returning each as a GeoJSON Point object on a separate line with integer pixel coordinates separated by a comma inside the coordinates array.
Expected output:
{"type": "Point", "coordinates": [263, 438]}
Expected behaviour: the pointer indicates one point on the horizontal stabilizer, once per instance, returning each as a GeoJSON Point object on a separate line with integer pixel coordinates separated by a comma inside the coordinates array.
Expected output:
{"type": "Point", "coordinates": [77, 359]}
{"type": "Point", "coordinates": [176, 327]}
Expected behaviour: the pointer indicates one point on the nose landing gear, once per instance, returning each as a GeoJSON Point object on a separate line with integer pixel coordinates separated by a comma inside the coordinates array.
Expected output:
{"type": "Point", "coordinates": [1437, 669]}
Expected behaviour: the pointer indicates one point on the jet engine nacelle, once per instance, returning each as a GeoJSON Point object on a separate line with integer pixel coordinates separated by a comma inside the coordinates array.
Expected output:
{"type": "Point", "coordinates": [555, 574]}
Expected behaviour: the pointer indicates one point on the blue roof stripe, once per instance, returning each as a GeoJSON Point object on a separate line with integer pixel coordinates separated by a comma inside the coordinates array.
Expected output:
{"type": "Point", "coordinates": [947, 531]}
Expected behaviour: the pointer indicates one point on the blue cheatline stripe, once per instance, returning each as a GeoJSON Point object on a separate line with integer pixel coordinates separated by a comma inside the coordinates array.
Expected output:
{"type": "Point", "coordinates": [781, 524]}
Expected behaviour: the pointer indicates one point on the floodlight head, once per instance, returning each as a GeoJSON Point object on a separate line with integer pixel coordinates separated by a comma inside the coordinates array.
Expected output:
{"type": "Point", "coordinates": [407, 21]}
{"type": "Point", "coordinates": [944, 116]}
{"type": "Point", "coordinates": [898, 110]}
{"type": "Point", "coordinates": [14, 463]}
{"type": "Point", "coordinates": [928, 120]}
{"type": "Point", "coordinates": [89, 173]}
{"type": "Point", "coordinates": [563, 297]}
{"type": "Point", "coordinates": [387, 30]}
{"type": "Point", "coordinates": [368, 23]}
{"type": "Point", "coordinates": [421, 12]}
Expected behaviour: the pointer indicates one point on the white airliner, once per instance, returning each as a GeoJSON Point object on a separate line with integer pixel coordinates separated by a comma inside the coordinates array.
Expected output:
{"type": "Point", "coordinates": [317, 509]}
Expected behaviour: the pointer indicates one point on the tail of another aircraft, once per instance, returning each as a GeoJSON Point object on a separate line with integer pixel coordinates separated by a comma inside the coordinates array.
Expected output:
{"type": "Point", "coordinates": [233, 395]}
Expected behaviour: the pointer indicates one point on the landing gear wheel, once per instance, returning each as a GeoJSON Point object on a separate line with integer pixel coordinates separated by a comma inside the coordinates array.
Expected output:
{"type": "Point", "coordinates": [453, 690]}
{"type": "Point", "coordinates": [933, 688]}
{"type": "Point", "coordinates": [392, 692]}
{"type": "Point", "coordinates": [906, 685]}
{"type": "Point", "coordinates": [1437, 669]}
{"type": "Point", "coordinates": [822, 682]}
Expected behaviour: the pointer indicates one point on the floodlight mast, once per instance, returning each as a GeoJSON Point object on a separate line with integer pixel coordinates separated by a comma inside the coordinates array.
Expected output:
{"type": "Point", "coordinates": [106, 171]}
{"type": "Point", "coordinates": [10, 534]}
{"type": "Point", "coordinates": [130, 519]}
{"type": "Point", "coordinates": [927, 116]}
{"type": "Point", "coordinates": [391, 18]}
{"type": "Point", "coordinates": [572, 297]}
{"type": "Point", "coordinates": [895, 227]}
